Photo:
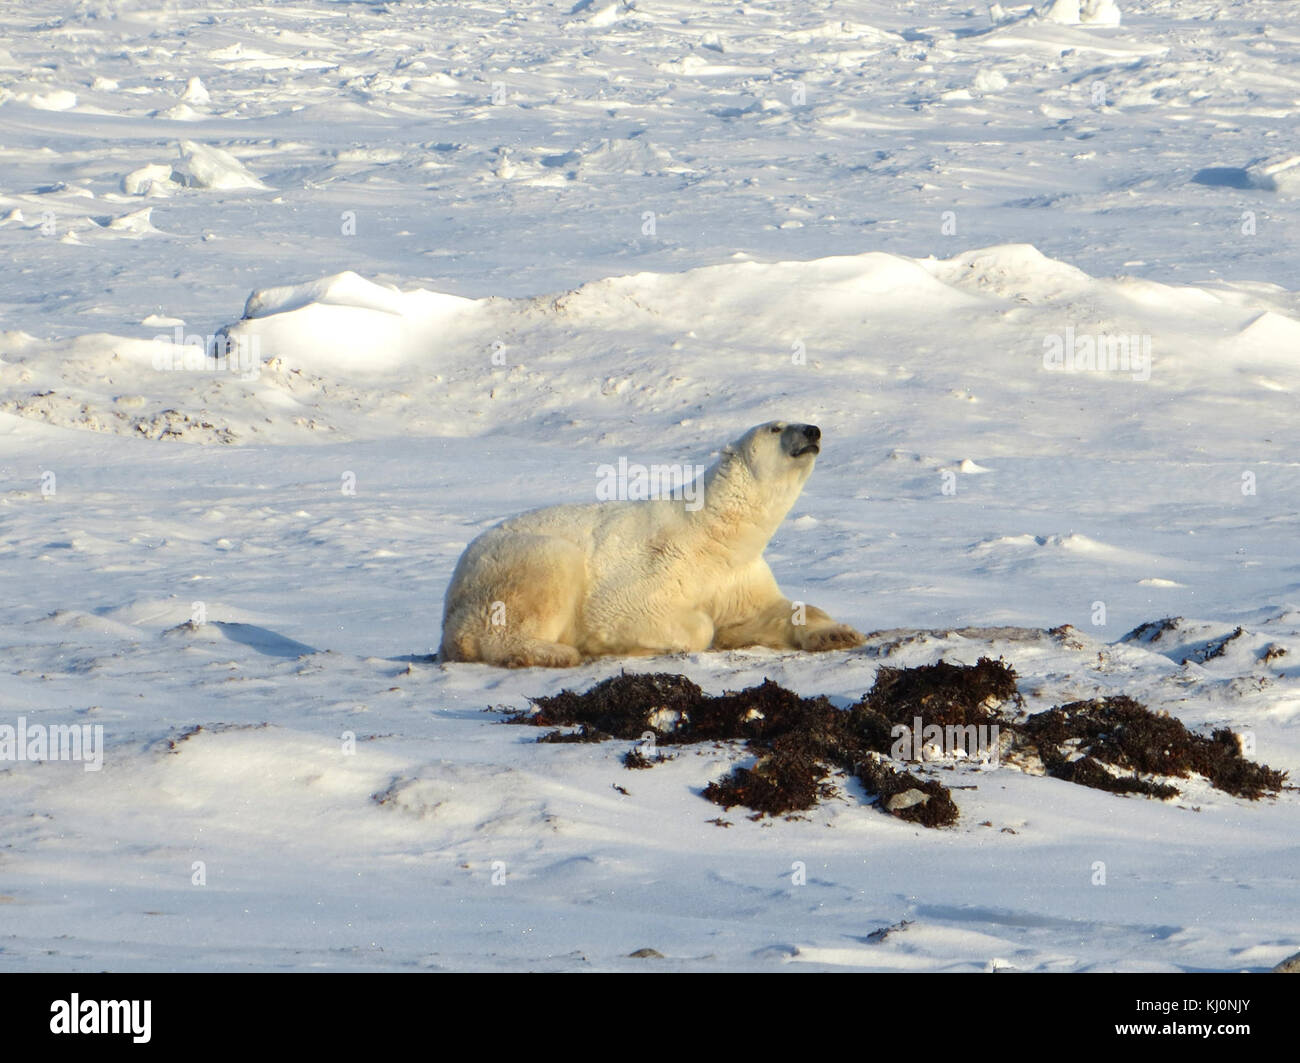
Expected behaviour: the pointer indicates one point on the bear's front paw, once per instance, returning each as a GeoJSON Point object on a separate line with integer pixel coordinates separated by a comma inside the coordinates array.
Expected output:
{"type": "Point", "coordinates": [833, 637]}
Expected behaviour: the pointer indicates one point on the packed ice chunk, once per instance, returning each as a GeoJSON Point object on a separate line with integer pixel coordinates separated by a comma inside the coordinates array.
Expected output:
{"type": "Point", "coordinates": [203, 166]}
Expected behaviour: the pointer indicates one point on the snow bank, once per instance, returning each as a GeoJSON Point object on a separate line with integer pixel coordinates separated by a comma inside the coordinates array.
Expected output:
{"type": "Point", "coordinates": [312, 357]}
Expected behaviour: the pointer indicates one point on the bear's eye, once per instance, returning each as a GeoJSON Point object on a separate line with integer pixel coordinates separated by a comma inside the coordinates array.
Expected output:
{"type": "Point", "coordinates": [776, 428]}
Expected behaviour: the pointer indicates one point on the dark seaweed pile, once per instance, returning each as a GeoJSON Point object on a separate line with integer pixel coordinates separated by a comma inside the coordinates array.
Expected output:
{"type": "Point", "coordinates": [1075, 740]}
{"type": "Point", "coordinates": [799, 742]}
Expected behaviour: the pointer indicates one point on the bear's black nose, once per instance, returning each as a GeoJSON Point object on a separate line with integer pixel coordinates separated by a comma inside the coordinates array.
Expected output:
{"type": "Point", "coordinates": [811, 433]}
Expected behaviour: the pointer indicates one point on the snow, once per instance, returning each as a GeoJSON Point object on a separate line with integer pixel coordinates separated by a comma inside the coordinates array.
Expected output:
{"type": "Point", "coordinates": [454, 261]}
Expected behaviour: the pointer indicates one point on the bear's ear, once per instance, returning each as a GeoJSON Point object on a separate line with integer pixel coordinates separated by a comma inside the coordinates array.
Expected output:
{"type": "Point", "coordinates": [729, 451]}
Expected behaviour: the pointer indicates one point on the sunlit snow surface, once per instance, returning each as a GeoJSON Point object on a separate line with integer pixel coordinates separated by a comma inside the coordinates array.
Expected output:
{"type": "Point", "coordinates": [475, 251]}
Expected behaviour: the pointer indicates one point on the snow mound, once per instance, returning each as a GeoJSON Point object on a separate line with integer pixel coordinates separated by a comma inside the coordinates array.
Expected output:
{"type": "Point", "coordinates": [180, 112]}
{"type": "Point", "coordinates": [489, 800]}
{"type": "Point", "coordinates": [345, 322]}
{"type": "Point", "coordinates": [1214, 645]}
{"type": "Point", "coordinates": [195, 93]}
{"type": "Point", "coordinates": [1278, 173]}
{"type": "Point", "coordinates": [75, 620]}
{"type": "Point", "coordinates": [1028, 545]}
{"type": "Point", "coordinates": [1017, 271]}
{"type": "Point", "coordinates": [599, 12]}
{"type": "Point", "coordinates": [151, 180]}
{"type": "Point", "coordinates": [1271, 336]}
{"type": "Point", "coordinates": [259, 639]}
{"type": "Point", "coordinates": [134, 223]}
{"type": "Point", "coordinates": [341, 289]}
{"type": "Point", "coordinates": [54, 100]}
{"type": "Point", "coordinates": [840, 285]}
{"type": "Point", "coordinates": [1081, 12]}
{"type": "Point", "coordinates": [1055, 30]}
{"type": "Point", "coordinates": [635, 154]}
{"type": "Point", "coordinates": [832, 31]}
{"type": "Point", "coordinates": [203, 166]}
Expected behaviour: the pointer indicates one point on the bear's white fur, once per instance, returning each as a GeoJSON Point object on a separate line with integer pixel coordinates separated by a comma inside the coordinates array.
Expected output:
{"type": "Point", "coordinates": [554, 585]}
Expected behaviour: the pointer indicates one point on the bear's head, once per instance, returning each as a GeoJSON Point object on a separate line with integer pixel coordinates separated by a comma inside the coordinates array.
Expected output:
{"type": "Point", "coordinates": [778, 453]}
{"type": "Point", "coordinates": [759, 477]}
{"type": "Point", "coordinates": [778, 450]}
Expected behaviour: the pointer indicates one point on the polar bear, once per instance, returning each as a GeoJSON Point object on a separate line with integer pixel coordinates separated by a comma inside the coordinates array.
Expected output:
{"type": "Point", "coordinates": [637, 578]}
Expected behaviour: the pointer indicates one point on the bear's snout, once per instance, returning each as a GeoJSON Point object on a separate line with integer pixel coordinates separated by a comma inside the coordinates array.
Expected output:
{"type": "Point", "coordinates": [804, 439]}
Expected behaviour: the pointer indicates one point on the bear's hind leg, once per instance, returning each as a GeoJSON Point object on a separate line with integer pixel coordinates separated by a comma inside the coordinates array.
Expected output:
{"type": "Point", "coordinates": [534, 653]}
{"type": "Point", "coordinates": [522, 611]}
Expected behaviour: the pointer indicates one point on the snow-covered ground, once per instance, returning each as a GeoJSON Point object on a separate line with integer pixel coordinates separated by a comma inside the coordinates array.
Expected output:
{"type": "Point", "coordinates": [495, 246]}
